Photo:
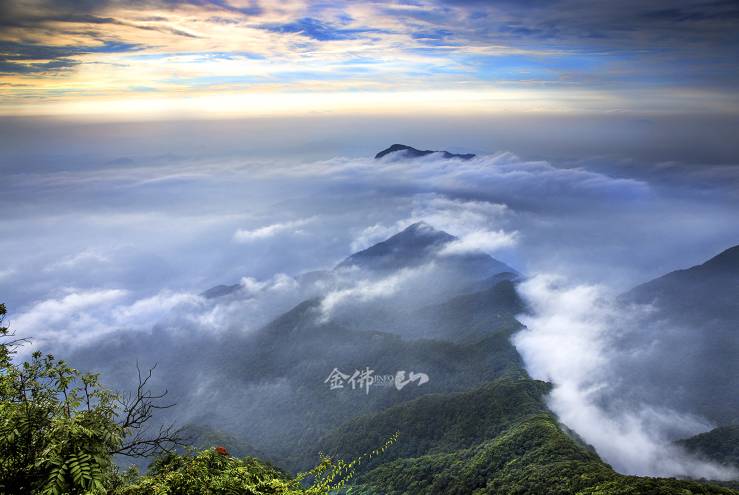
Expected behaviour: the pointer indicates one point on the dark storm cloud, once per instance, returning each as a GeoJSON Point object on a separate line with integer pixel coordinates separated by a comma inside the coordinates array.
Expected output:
{"type": "Point", "coordinates": [23, 58]}
{"type": "Point", "coordinates": [614, 44]}
{"type": "Point", "coordinates": [30, 21]}
{"type": "Point", "coordinates": [20, 51]}
{"type": "Point", "coordinates": [53, 66]}
{"type": "Point", "coordinates": [621, 25]}
{"type": "Point", "coordinates": [35, 21]}
{"type": "Point", "coordinates": [86, 10]}
{"type": "Point", "coordinates": [616, 26]}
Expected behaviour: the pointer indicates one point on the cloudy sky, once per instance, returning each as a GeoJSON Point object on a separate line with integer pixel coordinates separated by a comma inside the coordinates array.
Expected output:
{"type": "Point", "coordinates": [251, 57]}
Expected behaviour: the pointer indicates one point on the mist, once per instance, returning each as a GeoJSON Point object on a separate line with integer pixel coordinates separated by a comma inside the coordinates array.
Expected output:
{"type": "Point", "coordinates": [572, 340]}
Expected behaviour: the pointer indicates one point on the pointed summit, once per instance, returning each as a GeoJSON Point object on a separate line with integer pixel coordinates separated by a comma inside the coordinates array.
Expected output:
{"type": "Point", "coordinates": [707, 289]}
{"type": "Point", "coordinates": [726, 260]}
{"type": "Point", "coordinates": [408, 247]}
{"type": "Point", "coordinates": [422, 230]}
{"type": "Point", "coordinates": [417, 244]}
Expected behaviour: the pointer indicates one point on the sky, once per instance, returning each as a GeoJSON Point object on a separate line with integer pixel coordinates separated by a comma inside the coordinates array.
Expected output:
{"type": "Point", "coordinates": [214, 58]}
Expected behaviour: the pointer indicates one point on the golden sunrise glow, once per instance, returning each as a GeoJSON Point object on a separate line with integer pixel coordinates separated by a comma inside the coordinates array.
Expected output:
{"type": "Point", "coordinates": [275, 58]}
{"type": "Point", "coordinates": [285, 103]}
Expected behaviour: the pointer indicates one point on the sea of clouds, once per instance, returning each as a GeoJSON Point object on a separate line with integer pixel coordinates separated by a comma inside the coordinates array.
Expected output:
{"type": "Point", "coordinates": [128, 247]}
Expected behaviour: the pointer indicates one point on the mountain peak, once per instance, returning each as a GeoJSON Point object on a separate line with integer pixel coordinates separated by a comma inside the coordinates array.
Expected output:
{"type": "Point", "coordinates": [411, 152]}
{"type": "Point", "coordinates": [407, 247]}
{"type": "Point", "coordinates": [711, 286]}
{"type": "Point", "coordinates": [728, 258]}
{"type": "Point", "coordinates": [423, 229]}
{"type": "Point", "coordinates": [419, 243]}
{"type": "Point", "coordinates": [420, 225]}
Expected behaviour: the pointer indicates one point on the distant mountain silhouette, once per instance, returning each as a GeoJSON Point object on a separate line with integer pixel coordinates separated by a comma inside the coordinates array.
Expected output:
{"type": "Point", "coordinates": [220, 290]}
{"type": "Point", "coordinates": [411, 152]}
{"type": "Point", "coordinates": [692, 335]}
{"type": "Point", "coordinates": [719, 445]}
{"type": "Point", "coordinates": [710, 287]}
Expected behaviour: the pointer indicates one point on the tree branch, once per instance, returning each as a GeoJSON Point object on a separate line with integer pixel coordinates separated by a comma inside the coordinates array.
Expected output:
{"type": "Point", "coordinates": [137, 410]}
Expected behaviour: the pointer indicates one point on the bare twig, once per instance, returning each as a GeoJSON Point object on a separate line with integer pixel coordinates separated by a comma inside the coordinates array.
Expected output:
{"type": "Point", "coordinates": [138, 408]}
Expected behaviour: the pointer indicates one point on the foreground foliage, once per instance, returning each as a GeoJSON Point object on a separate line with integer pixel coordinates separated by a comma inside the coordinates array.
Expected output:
{"type": "Point", "coordinates": [55, 438]}
{"type": "Point", "coordinates": [212, 473]}
{"type": "Point", "coordinates": [57, 426]}
{"type": "Point", "coordinates": [60, 428]}
{"type": "Point", "coordinates": [215, 472]}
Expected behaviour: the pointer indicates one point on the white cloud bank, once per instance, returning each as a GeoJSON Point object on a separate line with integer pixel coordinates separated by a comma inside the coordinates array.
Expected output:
{"type": "Point", "coordinates": [504, 175]}
{"type": "Point", "coordinates": [568, 341]}
{"type": "Point", "coordinates": [268, 231]}
{"type": "Point", "coordinates": [486, 241]}
{"type": "Point", "coordinates": [86, 257]}
{"type": "Point", "coordinates": [280, 282]}
{"type": "Point", "coordinates": [363, 290]}
{"type": "Point", "coordinates": [79, 317]}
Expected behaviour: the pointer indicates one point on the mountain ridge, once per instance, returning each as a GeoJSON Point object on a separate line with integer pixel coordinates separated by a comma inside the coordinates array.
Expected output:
{"type": "Point", "coordinates": [718, 265]}
{"type": "Point", "coordinates": [691, 331]}
{"type": "Point", "coordinates": [411, 152]}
